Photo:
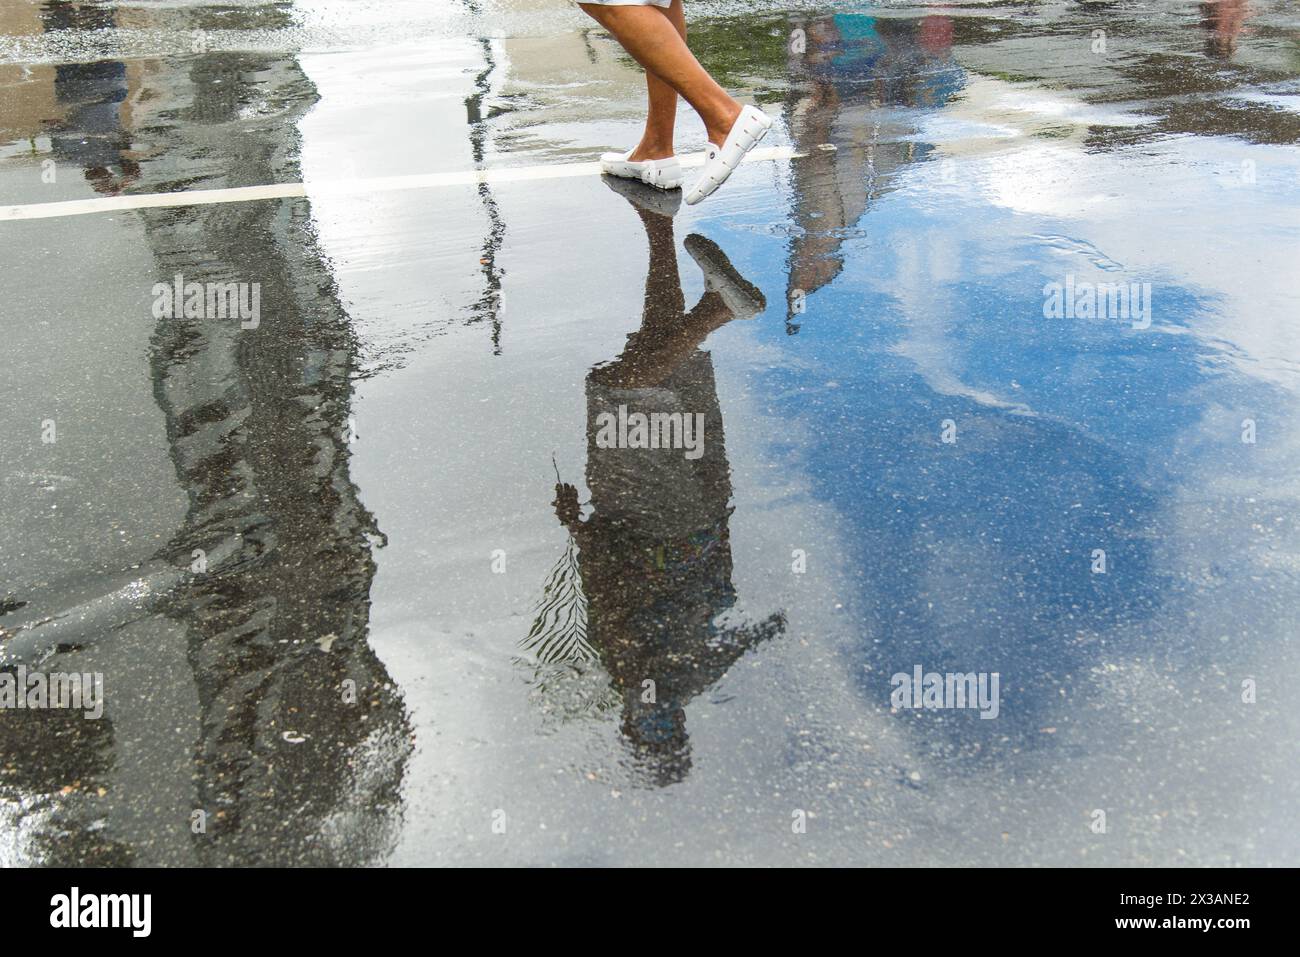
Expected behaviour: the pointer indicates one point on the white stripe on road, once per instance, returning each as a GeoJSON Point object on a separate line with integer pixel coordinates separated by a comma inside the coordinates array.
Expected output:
{"type": "Point", "coordinates": [383, 184]}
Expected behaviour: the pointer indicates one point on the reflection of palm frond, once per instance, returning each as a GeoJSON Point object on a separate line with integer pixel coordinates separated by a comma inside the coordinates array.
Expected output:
{"type": "Point", "coordinates": [571, 691]}
{"type": "Point", "coordinates": [559, 631]}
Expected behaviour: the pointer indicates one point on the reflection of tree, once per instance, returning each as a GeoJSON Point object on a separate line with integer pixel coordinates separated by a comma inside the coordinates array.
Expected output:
{"type": "Point", "coordinates": [290, 768]}
{"type": "Point", "coordinates": [302, 739]}
{"type": "Point", "coordinates": [646, 576]}
{"type": "Point", "coordinates": [55, 763]}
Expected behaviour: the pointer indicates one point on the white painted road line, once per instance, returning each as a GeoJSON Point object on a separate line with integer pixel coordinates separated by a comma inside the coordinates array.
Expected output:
{"type": "Point", "coordinates": [383, 184]}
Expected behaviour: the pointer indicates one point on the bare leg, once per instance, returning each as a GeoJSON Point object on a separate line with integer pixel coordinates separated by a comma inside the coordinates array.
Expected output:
{"type": "Point", "coordinates": [657, 141]}
{"type": "Point", "coordinates": [649, 35]}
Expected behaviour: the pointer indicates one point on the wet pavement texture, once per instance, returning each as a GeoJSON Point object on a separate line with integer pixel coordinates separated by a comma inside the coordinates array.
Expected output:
{"type": "Point", "coordinates": [367, 584]}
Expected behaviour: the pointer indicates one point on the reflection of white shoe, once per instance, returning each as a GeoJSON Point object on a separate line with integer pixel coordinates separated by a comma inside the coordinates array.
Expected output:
{"type": "Point", "coordinates": [743, 298]}
{"type": "Point", "coordinates": [661, 202]}
{"type": "Point", "coordinates": [661, 173]}
{"type": "Point", "coordinates": [750, 127]}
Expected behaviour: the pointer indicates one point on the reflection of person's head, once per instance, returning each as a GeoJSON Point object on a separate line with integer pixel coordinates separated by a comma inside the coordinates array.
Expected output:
{"type": "Point", "coordinates": [656, 734]}
{"type": "Point", "coordinates": [1224, 20]}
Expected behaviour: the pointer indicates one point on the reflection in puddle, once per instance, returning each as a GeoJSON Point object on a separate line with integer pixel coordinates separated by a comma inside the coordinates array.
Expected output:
{"type": "Point", "coordinates": [260, 599]}
{"type": "Point", "coordinates": [718, 616]}
{"type": "Point", "coordinates": [646, 577]}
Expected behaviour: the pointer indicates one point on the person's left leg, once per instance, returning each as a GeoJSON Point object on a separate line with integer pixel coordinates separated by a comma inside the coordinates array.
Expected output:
{"type": "Point", "coordinates": [657, 140]}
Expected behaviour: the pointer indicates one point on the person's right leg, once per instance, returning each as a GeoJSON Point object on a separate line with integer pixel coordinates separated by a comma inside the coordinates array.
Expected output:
{"type": "Point", "coordinates": [649, 35]}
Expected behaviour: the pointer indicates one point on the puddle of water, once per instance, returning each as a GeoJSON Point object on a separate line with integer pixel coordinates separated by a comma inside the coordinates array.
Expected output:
{"type": "Point", "coordinates": [1004, 382]}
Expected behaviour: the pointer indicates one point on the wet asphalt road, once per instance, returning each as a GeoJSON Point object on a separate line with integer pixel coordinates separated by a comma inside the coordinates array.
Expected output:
{"type": "Point", "coordinates": [429, 599]}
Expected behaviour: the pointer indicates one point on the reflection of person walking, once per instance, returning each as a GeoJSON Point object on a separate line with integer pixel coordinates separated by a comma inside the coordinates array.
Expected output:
{"type": "Point", "coordinates": [654, 551]}
{"type": "Point", "coordinates": [654, 33]}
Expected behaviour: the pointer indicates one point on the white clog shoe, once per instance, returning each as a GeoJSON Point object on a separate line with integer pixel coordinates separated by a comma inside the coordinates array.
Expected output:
{"type": "Point", "coordinates": [750, 127]}
{"type": "Point", "coordinates": [660, 173]}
